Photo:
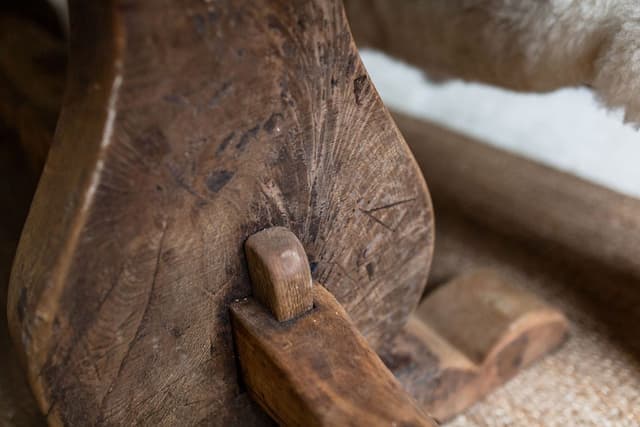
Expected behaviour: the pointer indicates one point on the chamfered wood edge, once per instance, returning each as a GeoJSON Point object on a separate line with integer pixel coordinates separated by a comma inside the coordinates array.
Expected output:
{"type": "Point", "coordinates": [91, 84]}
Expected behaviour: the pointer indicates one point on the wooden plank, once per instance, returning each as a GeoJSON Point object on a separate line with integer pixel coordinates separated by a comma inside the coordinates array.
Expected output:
{"type": "Point", "coordinates": [315, 369]}
{"type": "Point", "coordinates": [17, 183]}
{"type": "Point", "coordinates": [31, 80]}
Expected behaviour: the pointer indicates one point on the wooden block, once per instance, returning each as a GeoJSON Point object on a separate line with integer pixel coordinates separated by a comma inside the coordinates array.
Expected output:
{"type": "Point", "coordinates": [318, 369]}
{"type": "Point", "coordinates": [280, 274]}
{"type": "Point", "coordinates": [470, 336]}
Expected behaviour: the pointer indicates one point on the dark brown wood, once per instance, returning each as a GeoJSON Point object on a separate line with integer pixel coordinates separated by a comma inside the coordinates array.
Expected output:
{"type": "Point", "coordinates": [279, 271]}
{"type": "Point", "coordinates": [524, 199]}
{"type": "Point", "coordinates": [470, 336]}
{"type": "Point", "coordinates": [318, 370]}
{"type": "Point", "coordinates": [186, 128]}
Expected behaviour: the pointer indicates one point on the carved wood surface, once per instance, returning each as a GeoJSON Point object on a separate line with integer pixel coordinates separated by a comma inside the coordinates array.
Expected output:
{"type": "Point", "coordinates": [17, 406]}
{"type": "Point", "coordinates": [31, 80]}
{"type": "Point", "coordinates": [185, 128]}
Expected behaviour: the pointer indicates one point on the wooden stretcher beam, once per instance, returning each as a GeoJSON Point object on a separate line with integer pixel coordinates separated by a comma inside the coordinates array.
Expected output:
{"type": "Point", "coordinates": [525, 199]}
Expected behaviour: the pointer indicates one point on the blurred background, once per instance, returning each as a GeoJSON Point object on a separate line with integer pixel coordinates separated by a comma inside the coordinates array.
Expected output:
{"type": "Point", "coordinates": [566, 129]}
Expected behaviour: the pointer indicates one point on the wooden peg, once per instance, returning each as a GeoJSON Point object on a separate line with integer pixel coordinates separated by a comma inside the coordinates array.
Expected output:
{"type": "Point", "coordinates": [280, 273]}
{"type": "Point", "coordinates": [315, 369]}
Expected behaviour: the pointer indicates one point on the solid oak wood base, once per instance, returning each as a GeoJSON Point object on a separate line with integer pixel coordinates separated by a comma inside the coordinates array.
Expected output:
{"type": "Point", "coordinates": [470, 336]}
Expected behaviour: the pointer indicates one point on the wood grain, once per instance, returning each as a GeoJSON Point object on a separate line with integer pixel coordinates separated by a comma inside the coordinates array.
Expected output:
{"type": "Point", "coordinates": [318, 370]}
{"type": "Point", "coordinates": [279, 271]}
{"type": "Point", "coordinates": [185, 128]}
{"type": "Point", "coordinates": [469, 336]}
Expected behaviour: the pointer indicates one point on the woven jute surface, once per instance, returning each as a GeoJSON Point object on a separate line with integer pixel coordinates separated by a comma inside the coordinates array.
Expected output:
{"type": "Point", "coordinates": [594, 379]}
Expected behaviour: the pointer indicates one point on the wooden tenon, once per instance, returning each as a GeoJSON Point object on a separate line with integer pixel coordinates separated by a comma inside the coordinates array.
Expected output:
{"type": "Point", "coordinates": [313, 368]}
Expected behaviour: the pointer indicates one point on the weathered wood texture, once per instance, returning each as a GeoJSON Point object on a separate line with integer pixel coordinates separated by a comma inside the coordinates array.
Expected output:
{"type": "Point", "coordinates": [318, 370]}
{"type": "Point", "coordinates": [279, 271]}
{"type": "Point", "coordinates": [468, 337]}
{"type": "Point", "coordinates": [524, 199]}
{"type": "Point", "coordinates": [186, 128]}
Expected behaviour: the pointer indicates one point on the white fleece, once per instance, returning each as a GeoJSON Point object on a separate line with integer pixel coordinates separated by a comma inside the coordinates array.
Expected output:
{"type": "Point", "coordinates": [598, 39]}
{"type": "Point", "coordinates": [527, 45]}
